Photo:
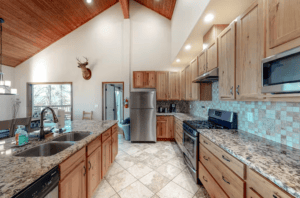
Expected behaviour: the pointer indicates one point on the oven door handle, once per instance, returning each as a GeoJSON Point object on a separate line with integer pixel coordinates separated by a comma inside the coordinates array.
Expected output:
{"type": "Point", "coordinates": [186, 160]}
{"type": "Point", "coordinates": [192, 137]}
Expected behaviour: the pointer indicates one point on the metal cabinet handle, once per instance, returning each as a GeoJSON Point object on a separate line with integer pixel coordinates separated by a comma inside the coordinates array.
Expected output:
{"type": "Point", "coordinates": [225, 158]}
{"type": "Point", "coordinates": [237, 90]}
{"type": "Point", "coordinates": [225, 180]}
{"type": "Point", "coordinates": [206, 158]}
{"type": "Point", "coordinates": [205, 142]}
{"type": "Point", "coordinates": [276, 195]}
{"type": "Point", "coordinates": [84, 171]}
{"type": "Point", "coordinates": [231, 92]}
{"type": "Point", "coordinates": [90, 165]}
{"type": "Point", "coordinates": [204, 179]}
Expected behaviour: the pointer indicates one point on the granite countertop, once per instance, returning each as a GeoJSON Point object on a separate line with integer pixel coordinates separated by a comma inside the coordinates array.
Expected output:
{"type": "Point", "coordinates": [181, 116]}
{"type": "Point", "coordinates": [277, 162]}
{"type": "Point", "coordinates": [16, 173]}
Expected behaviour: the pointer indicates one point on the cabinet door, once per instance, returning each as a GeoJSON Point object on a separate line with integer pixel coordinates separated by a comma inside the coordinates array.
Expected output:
{"type": "Point", "coordinates": [188, 78]}
{"type": "Point", "coordinates": [74, 185]}
{"type": "Point", "coordinates": [284, 21]}
{"type": "Point", "coordinates": [149, 79]}
{"type": "Point", "coordinates": [94, 171]}
{"type": "Point", "coordinates": [226, 47]}
{"type": "Point", "coordinates": [114, 146]}
{"type": "Point", "coordinates": [162, 127]}
{"type": "Point", "coordinates": [250, 51]}
{"type": "Point", "coordinates": [174, 86]}
{"type": "Point", "coordinates": [162, 81]}
{"type": "Point", "coordinates": [138, 79]}
{"type": "Point", "coordinates": [212, 56]}
{"type": "Point", "coordinates": [195, 87]}
{"type": "Point", "coordinates": [183, 85]}
{"type": "Point", "coordinates": [106, 156]}
{"type": "Point", "coordinates": [170, 127]}
{"type": "Point", "coordinates": [202, 62]}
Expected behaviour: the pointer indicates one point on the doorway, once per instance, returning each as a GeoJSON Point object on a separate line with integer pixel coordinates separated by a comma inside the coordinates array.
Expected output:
{"type": "Point", "coordinates": [113, 96]}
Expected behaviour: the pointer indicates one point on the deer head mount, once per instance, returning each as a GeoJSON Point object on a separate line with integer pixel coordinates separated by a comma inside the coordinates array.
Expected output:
{"type": "Point", "coordinates": [86, 72]}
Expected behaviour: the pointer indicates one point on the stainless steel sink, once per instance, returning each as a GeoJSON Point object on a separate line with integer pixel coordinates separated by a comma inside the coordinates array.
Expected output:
{"type": "Point", "coordinates": [46, 149]}
{"type": "Point", "coordinates": [72, 137]}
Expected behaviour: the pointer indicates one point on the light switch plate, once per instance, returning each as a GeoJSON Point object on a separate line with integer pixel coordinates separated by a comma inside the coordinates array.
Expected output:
{"type": "Point", "coordinates": [250, 116]}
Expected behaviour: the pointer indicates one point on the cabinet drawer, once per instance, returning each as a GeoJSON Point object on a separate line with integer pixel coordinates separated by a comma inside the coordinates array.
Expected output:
{"type": "Point", "coordinates": [114, 129]}
{"type": "Point", "coordinates": [234, 164]}
{"type": "Point", "coordinates": [69, 164]}
{"type": "Point", "coordinates": [178, 129]}
{"type": "Point", "coordinates": [253, 194]}
{"type": "Point", "coordinates": [263, 187]}
{"type": "Point", "coordinates": [228, 180]}
{"type": "Point", "coordinates": [106, 135]}
{"type": "Point", "coordinates": [93, 146]}
{"type": "Point", "coordinates": [212, 187]}
{"type": "Point", "coordinates": [161, 118]}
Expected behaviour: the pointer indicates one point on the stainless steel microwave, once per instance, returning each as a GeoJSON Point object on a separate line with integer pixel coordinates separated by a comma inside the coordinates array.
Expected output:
{"type": "Point", "coordinates": [281, 72]}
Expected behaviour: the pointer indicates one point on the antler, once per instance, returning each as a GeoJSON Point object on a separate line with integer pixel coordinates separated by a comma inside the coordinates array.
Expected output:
{"type": "Point", "coordinates": [79, 62]}
{"type": "Point", "coordinates": [86, 59]}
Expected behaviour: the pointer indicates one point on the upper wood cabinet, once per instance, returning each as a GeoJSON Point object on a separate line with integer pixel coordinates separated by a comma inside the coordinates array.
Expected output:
{"type": "Point", "coordinates": [226, 58]}
{"type": "Point", "coordinates": [250, 52]}
{"type": "Point", "coordinates": [144, 79]}
{"type": "Point", "coordinates": [283, 25]}
{"type": "Point", "coordinates": [162, 85]}
{"type": "Point", "coordinates": [212, 34]}
{"type": "Point", "coordinates": [202, 62]}
{"type": "Point", "coordinates": [183, 84]}
{"type": "Point", "coordinates": [188, 83]}
{"type": "Point", "coordinates": [174, 86]}
{"type": "Point", "coordinates": [212, 56]}
{"type": "Point", "coordinates": [195, 87]}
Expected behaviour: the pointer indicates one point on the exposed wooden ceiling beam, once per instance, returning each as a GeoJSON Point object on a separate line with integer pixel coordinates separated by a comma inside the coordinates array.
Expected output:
{"type": "Point", "coordinates": [125, 8]}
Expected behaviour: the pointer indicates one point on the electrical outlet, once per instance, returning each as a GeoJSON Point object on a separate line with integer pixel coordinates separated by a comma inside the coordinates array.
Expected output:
{"type": "Point", "coordinates": [250, 116]}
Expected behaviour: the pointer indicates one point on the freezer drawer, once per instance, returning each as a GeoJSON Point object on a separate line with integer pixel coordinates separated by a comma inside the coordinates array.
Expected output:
{"type": "Point", "coordinates": [143, 100]}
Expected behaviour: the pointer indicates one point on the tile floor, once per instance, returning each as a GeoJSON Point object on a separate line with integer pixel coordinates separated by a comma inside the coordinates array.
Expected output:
{"type": "Point", "coordinates": [149, 170]}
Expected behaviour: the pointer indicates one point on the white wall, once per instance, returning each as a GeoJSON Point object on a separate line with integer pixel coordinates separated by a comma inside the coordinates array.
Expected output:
{"type": "Point", "coordinates": [101, 40]}
{"type": "Point", "coordinates": [6, 111]}
{"type": "Point", "coordinates": [185, 17]}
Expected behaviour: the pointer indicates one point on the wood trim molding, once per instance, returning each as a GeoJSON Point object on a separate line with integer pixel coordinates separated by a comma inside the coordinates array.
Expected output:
{"type": "Point", "coordinates": [125, 8]}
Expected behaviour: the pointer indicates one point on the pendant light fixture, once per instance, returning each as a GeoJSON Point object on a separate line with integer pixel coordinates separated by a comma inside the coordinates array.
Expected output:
{"type": "Point", "coordinates": [5, 86]}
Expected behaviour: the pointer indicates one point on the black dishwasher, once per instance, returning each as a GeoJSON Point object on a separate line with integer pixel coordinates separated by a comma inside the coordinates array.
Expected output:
{"type": "Point", "coordinates": [43, 186]}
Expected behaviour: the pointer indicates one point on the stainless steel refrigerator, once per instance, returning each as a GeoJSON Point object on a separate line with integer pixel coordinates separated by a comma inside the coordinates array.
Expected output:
{"type": "Point", "coordinates": [143, 116]}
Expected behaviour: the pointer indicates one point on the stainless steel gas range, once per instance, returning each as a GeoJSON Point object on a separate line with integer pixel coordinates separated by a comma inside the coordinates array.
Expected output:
{"type": "Point", "coordinates": [217, 119]}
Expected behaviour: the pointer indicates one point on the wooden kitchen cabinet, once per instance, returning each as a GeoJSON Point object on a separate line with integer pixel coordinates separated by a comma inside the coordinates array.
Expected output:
{"type": "Point", "coordinates": [93, 171]}
{"type": "Point", "coordinates": [195, 87]}
{"type": "Point", "coordinates": [226, 58]}
{"type": "Point", "coordinates": [202, 62]}
{"type": "Point", "coordinates": [144, 79]}
{"type": "Point", "coordinates": [162, 85]}
{"type": "Point", "coordinates": [106, 155]}
{"type": "Point", "coordinates": [283, 26]}
{"type": "Point", "coordinates": [165, 128]}
{"type": "Point", "coordinates": [174, 86]}
{"type": "Point", "coordinates": [183, 84]}
{"type": "Point", "coordinates": [188, 82]}
{"type": "Point", "coordinates": [250, 52]}
{"type": "Point", "coordinates": [212, 56]}
{"type": "Point", "coordinates": [114, 146]}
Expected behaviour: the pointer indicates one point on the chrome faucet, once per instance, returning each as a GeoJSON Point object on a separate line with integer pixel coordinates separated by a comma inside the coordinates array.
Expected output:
{"type": "Point", "coordinates": [42, 132]}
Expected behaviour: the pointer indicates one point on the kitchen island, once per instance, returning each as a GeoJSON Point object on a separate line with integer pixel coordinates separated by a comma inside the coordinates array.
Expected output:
{"type": "Point", "coordinates": [16, 173]}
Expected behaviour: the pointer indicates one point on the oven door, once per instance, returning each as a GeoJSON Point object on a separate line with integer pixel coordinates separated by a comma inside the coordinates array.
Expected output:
{"type": "Point", "coordinates": [190, 144]}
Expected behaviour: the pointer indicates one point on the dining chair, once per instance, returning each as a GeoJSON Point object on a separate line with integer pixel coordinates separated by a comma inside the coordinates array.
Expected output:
{"type": "Point", "coordinates": [20, 121]}
{"type": "Point", "coordinates": [90, 117]}
{"type": "Point", "coordinates": [6, 125]}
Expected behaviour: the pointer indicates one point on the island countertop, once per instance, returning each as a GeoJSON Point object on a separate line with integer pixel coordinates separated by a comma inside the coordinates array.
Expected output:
{"type": "Point", "coordinates": [16, 173]}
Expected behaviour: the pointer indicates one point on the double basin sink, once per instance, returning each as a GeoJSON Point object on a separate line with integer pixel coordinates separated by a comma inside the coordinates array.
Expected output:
{"type": "Point", "coordinates": [55, 146]}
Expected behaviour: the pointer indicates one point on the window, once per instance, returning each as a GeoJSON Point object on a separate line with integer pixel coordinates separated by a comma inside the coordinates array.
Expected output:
{"type": "Point", "coordinates": [56, 96]}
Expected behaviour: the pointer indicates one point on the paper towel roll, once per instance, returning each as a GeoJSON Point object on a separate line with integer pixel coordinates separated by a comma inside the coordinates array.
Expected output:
{"type": "Point", "coordinates": [61, 119]}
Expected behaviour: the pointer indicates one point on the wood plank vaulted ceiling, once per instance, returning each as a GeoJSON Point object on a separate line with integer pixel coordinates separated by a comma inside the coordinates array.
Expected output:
{"type": "Point", "coordinates": [32, 25]}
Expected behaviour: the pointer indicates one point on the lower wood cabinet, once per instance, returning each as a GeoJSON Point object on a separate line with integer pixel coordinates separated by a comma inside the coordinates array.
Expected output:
{"type": "Point", "coordinates": [93, 171]}
{"type": "Point", "coordinates": [106, 155]}
{"type": "Point", "coordinates": [165, 128]}
{"type": "Point", "coordinates": [114, 146]}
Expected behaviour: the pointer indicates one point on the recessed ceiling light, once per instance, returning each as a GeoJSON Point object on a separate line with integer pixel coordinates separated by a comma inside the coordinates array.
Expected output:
{"type": "Point", "coordinates": [89, 1]}
{"type": "Point", "coordinates": [205, 46]}
{"type": "Point", "coordinates": [188, 47]}
{"type": "Point", "coordinates": [178, 60]}
{"type": "Point", "coordinates": [209, 18]}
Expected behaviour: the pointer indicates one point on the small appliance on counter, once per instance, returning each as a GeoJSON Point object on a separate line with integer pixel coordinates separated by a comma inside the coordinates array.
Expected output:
{"type": "Point", "coordinates": [160, 109]}
{"type": "Point", "coordinates": [166, 110]}
{"type": "Point", "coordinates": [173, 108]}
{"type": "Point", "coordinates": [217, 119]}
